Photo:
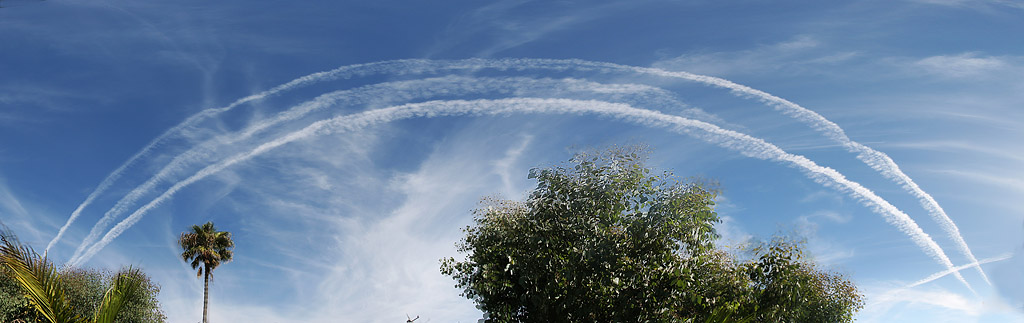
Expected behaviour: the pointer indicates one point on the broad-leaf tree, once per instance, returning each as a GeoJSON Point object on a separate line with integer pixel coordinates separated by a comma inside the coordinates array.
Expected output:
{"type": "Point", "coordinates": [206, 248]}
{"type": "Point", "coordinates": [46, 289]}
{"type": "Point", "coordinates": [604, 239]}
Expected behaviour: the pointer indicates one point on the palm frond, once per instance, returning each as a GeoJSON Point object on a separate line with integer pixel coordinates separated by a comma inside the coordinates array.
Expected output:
{"type": "Point", "coordinates": [126, 286]}
{"type": "Point", "coordinates": [38, 278]}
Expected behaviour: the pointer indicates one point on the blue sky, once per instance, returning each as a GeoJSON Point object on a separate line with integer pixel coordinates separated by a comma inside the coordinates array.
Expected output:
{"type": "Point", "coordinates": [343, 189]}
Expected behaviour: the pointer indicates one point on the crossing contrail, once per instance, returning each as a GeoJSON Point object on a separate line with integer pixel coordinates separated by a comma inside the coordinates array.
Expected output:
{"type": "Point", "coordinates": [392, 67]}
{"type": "Point", "coordinates": [742, 143]}
{"type": "Point", "coordinates": [946, 272]}
{"type": "Point", "coordinates": [389, 93]}
{"type": "Point", "coordinates": [878, 161]}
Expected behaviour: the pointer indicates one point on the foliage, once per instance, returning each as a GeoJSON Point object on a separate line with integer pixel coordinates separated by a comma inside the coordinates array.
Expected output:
{"type": "Point", "coordinates": [602, 239]}
{"type": "Point", "coordinates": [70, 295]}
{"type": "Point", "coordinates": [207, 248]}
{"type": "Point", "coordinates": [14, 307]}
{"type": "Point", "coordinates": [790, 288]}
{"type": "Point", "coordinates": [87, 287]}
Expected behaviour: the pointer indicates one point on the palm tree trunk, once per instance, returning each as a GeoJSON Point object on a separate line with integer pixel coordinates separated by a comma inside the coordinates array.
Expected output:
{"type": "Point", "coordinates": [206, 293]}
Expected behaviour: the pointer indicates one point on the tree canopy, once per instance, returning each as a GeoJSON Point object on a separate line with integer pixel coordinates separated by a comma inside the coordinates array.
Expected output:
{"type": "Point", "coordinates": [32, 289]}
{"type": "Point", "coordinates": [206, 248]}
{"type": "Point", "coordinates": [604, 238]}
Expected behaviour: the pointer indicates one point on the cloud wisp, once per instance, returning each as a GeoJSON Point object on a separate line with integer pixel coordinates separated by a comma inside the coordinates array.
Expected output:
{"type": "Point", "coordinates": [877, 160]}
{"type": "Point", "coordinates": [742, 143]}
{"type": "Point", "coordinates": [389, 67]}
{"type": "Point", "coordinates": [386, 93]}
{"type": "Point", "coordinates": [946, 272]}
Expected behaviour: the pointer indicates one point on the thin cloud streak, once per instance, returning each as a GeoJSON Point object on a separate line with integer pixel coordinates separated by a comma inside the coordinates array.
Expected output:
{"type": "Point", "coordinates": [877, 160]}
{"type": "Point", "coordinates": [392, 92]}
{"type": "Point", "coordinates": [338, 73]}
{"type": "Point", "coordinates": [957, 269]}
{"type": "Point", "coordinates": [742, 143]}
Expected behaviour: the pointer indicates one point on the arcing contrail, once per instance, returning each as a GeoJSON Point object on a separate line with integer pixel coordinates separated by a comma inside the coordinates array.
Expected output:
{"type": "Point", "coordinates": [941, 274]}
{"type": "Point", "coordinates": [875, 159]}
{"type": "Point", "coordinates": [392, 67]}
{"type": "Point", "coordinates": [742, 143]}
{"type": "Point", "coordinates": [957, 269]}
{"type": "Point", "coordinates": [387, 93]}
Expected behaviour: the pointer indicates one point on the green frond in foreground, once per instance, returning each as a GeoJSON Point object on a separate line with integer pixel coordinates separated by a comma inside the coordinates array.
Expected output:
{"type": "Point", "coordinates": [127, 286]}
{"type": "Point", "coordinates": [44, 286]}
{"type": "Point", "coordinates": [39, 279]}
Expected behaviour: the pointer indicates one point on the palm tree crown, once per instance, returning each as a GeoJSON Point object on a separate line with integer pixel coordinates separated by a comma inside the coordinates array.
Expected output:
{"type": "Point", "coordinates": [206, 247]}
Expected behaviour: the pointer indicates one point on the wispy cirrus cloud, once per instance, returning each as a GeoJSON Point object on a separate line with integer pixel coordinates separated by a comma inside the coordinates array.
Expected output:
{"type": "Point", "coordinates": [941, 300]}
{"type": "Point", "coordinates": [802, 53]}
{"type": "Point", "coordinates": [745, 144]}
{"type": "Point", "coordinates": [994, 179]}
{"type": "Point", "coordinates": [520, 22]}
{"type": "Point", "coordinates": [967, 65]}
{"type": "Point", "coordinates": [976, 4]}
{"type": "Point", "coordinates": [16, 215]}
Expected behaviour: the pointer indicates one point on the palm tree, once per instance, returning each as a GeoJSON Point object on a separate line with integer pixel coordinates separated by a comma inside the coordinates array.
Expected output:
{"type": "Point", "coordinates": [207, 247]}
{"type": "Point", "coordinates": [44, 285]}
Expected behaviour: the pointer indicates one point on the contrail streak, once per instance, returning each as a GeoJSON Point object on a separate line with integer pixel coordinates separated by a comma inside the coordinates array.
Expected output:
{"type": "Point", "coordinates": [742, 143]}
{"type": "Point", "coordinates": [387, 93]}
{"type": "Point", "coordinates": [957, 269]}
{"type": "Point", "coordinates": [877, 160]}
{"type": "Point", "coordinates": [392, 67]}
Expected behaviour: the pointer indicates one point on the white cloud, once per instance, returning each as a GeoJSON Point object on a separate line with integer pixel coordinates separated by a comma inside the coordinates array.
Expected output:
{"type": "Point", "coordinates": [825, 251]}
{"type": "Point", "coordinates": [392, 264]}
{"type": "Point", "coordinates": [976, 4]}
{"type": "Point", "coordinates": [987, 150]}
{"type": "Point", "coordinates": [14, 214]}
{"type": "Point", "coordinates": [513, 30]}
{"type": "Point", "coordinates": [372, 265]}
{"type": "Point", "coordinates": [963, 65]}
{"type": "Point", "coordinates": [505, 168]}
{"type": "Point", "coordinates": [1003, 179]}
{"type": "Point", "coordinates": [731, 233]}
{"type": "Point", "coordinates": [831, 197]}
{"type": "Point", "coordinates": [937, 299]}
{"type": "Point", "coordinates": [795, 55]}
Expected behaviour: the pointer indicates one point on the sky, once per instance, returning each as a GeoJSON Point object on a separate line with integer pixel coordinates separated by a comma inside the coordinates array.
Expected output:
{"type": "Point", "coordinates": [344, 144]}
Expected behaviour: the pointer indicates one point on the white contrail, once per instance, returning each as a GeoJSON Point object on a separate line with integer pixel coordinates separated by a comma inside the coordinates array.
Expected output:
{"type": "Point", "coordinates": [742, 143]}
{"type": "Point", "coordinates": [957, 269]}
{"type": "Point", "coordinates": [391, 67]}
{"type": "Point", "coordinates": [875, 159]}
{"type": "Point", "coordinates": [389, 93]}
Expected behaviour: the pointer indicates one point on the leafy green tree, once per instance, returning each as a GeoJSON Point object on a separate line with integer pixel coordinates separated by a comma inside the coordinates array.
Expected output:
{"type": "Point", "coordinates": [207, 248]}
{"type": "Point", "coordinates": [85, 289]}
{"type": "Point", "coordinates": [47, 290]}
{"type": "Point", "coordinates": [14, 306]}
{"type": "Point", "coordinates": [788, 287]}
{"type": "Point", "coordinates": [603, 239]}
